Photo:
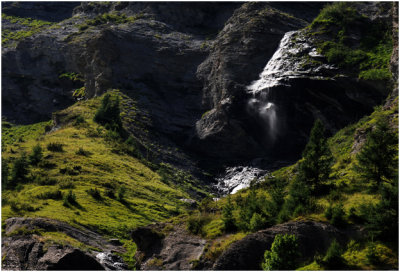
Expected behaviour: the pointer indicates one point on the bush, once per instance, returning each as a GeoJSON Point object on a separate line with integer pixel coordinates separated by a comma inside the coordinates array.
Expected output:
{"type": "Point", "coordinates": [47, 165]}
{"type": "Point", "coordinates": [21, 206]}
{"type": "Point", "coordinates": [372, 256]}
{"type": "Point", "coordinates": [82, 152]}
{"type": "Point", "coordinates": [299, 200]}
{"type": "Point", "coordinates": [257, 222]}
{"type": "Point", "coordinates": [195, 223]}
{"type": "Point", "coordinates": [37, 154]}
{"type": "Point", "coordinates": [283, 254]}
{"type": "Point", "coordinates": [227, 216]}
{"type": "Point", "coordinates": [108, 114]}
{"type": "Point", "coordinates": [336, 215]}
{"type": "Point", "coordinates": [333, 258]}
{"type": "Point", "coordinates": [55, 147]}
{"type": "Point", "coordinates": [69, 199]}
{"type": "Point", "coordinates": [110, 193]}
{"type": "Point", "coordinates": [80, 94]}
{"type": "Point", "coordinates": [253, 203]}
{"type": "Point", "coordinates": [94, 193]}
{"type": "Point", "coordinates": [121, 193]}
{"type": "Point", "coordinates": [79, 120]}
{"type": "Point", "coordinates": [52, 194]}
{"type": "Point", "coordinates": [44, 180]}
{"type": "Point", "coordinates": [19, 170]}
{"type": "Point", "coordinates": [66, 185]}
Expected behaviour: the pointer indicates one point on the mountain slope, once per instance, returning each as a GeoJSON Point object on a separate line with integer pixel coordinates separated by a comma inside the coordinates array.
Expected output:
{"type": "Point", "coordinates": [122, 116]}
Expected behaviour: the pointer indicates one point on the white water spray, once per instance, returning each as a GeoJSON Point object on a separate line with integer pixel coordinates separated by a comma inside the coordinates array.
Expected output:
{"type": "Point", "coordinates": [260, 103]}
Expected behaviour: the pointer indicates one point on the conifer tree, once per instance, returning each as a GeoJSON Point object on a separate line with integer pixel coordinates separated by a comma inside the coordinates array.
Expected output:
{"type": "Point", "coordinates": [283, 254]}
{"type": "Point", "coordinates": [37, 154]}
{"type": "Point", "coordinates": [108, 114]}
{"type": "Point", "coordinates": [317, 159]}
{"type": "Point", "coordinates": [227, 215]}
{"type": "Point", "coordinates": [376, 160]}
{"type": "Point", "coordinates": [19, 170]}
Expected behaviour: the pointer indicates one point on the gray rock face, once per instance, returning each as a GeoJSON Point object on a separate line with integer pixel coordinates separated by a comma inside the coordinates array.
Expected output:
{"type": "Point", "coordinates": [47, 11]}
{"type": "Point", "coordinates": [26, 250]}
{"type": "Point", "coordinates": [239, 52]}
{"type": "Point", "coordinates": [25, 253]}
{"type": "Point", "coordinates": [274, 115]}
{"type": "Point", "coordinates": [313, 237]}
{"type": "Point", "coordinates": [174, 251]}
{"type": "Point", "coordinates": [188, 67]}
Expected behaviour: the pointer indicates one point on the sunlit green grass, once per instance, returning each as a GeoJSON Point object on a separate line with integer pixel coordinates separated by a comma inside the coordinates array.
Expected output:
{"type": "Point", "coordinates": [147, 198]}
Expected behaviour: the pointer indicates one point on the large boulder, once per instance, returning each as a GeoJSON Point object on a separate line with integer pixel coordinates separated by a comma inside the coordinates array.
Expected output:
{"type": "Point", "coordinates": [313, 237]}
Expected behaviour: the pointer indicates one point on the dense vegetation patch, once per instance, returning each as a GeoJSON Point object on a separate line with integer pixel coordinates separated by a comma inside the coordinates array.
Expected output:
{"type": "Point", "coordinates": [109, 18]}
{"type": "Point", "coordinates": [348, 39]}
{"type": "Point", "coordinates": [29, 27]}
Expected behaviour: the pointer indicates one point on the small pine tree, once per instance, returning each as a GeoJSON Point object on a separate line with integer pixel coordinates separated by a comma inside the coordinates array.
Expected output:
{"type": "Point", "coordinates": [19, 170]}
{"type": "Point", "coordinates": [283, 254]}
{"type": "Point", "coordinates": [121, 193]}
{"type": "Point", "coordinates": [333, 258]}
{"type": "Point", "coordinates": [251, 204]}
{"type": "Point", "coordinates": [317, 158]}
{"type": "Point", "coordinates": [257, 222]}
{"type": "Point", "coordinates": [109, 113]}
{"type": "Point", "coordinates": [37, 154]}
{"type": "Point", "coordinates": [227, 215]}
{"type": "Point", "coordinates": [299, 198]}
{"type": "Point", "coordinates": [376, 160]}
{"type": "Point", "coordinates": [382, 218]}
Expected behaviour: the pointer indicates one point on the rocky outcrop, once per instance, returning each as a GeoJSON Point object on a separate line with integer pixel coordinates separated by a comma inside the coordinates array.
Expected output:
{"type": "Point", "coordinates": [175, 250]}
{"type": "Point", "coordinates": [238, 54]}
{"type": "Point", "coordinates": [313, 237]}
{"type": "Point", "coordinates": [25, 248]}
{"type": "Point", "coordinates": [305, 87]}
{"type": "Point", "coordinates": [201, 105]}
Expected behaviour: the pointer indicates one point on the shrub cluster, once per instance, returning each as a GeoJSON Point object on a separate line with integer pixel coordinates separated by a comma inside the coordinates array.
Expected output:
{"type": "Point", "coordinates": [95, 193]}
{"type": "Point", "coordinates": [283, 254]}
{"type": "Point", "coordinates": [69, 199]}
{"type": "Point", "coordinates": [108, 114]}
{"type": "Point", "coordinates": [55, 147]}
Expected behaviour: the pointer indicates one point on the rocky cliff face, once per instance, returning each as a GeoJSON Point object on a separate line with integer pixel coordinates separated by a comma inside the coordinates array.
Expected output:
{"type": "Point", "coordinates": [189, 68]}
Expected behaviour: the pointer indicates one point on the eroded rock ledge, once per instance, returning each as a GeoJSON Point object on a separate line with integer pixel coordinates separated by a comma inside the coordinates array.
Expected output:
{"type": "Point", "coordinates": [25, 247]}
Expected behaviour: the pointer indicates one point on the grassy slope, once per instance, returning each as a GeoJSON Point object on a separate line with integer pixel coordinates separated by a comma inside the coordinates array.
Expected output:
{"type": "Point", "coordinates": [147, 199]}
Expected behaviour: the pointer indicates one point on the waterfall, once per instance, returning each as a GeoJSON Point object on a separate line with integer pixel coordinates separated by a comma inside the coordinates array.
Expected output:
{"type": "Point", "coordinates": [260, 104]}
{"type": "Point", "coordinates": [294, 58]}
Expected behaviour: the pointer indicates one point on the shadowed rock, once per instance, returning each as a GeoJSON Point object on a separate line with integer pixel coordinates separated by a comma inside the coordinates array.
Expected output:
{"type": "Point", "coordinates": [313, 237]}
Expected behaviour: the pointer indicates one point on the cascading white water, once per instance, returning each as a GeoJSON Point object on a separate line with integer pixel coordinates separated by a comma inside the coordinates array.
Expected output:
{"type": "Point", "coordinates": [295, 58]}
{"type": "Point", "coordinates": [260, 104]}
